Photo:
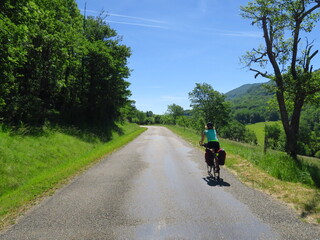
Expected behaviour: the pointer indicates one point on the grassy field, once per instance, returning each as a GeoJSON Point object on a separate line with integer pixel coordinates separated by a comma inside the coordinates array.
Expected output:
{"type": "Point", "coordinates": [274, 173]}
{"type": "Point", "coordinates": [258, 129]}
{"type": "Point", "coordinates": [32, 166]}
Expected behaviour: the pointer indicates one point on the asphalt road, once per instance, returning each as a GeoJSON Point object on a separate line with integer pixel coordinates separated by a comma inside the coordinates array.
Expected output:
{"type": "Point", "coordinates": [156, 188]}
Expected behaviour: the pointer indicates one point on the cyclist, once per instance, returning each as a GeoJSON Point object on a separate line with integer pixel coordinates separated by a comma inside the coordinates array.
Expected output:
{"type": "Point", "coordinates": [213, 142]}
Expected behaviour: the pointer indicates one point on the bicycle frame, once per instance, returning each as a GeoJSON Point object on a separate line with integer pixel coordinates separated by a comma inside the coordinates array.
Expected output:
{"type": "Point", "coordinates": [215, 167]}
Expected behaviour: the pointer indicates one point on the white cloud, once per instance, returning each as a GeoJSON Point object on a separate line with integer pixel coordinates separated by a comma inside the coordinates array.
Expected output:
{"type": "Point", "coordinates": [149, 23]}
{"type": "Point", "coordinates": [240, 34]}
{"type": "Point", "coordinates": [136, 24]}
{"type": "Point", "coordinates": [232, 33]}
{"type": "Point", "coordinates": [137, 18]}
{"type": "Point", "coordinates": [136, 21]}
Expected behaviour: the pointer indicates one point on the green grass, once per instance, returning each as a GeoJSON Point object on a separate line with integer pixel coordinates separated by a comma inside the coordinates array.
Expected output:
{"type": "Point", "coordinates": [34, 165]}
{"type": "Point", "coordinates": [277, 164]}
{"type": "Point", "coordinates": [258, 129]}
{"type": "Point", "coordinates": [273, 161]}
{"type": "Point", "coordinates": [273, 172]}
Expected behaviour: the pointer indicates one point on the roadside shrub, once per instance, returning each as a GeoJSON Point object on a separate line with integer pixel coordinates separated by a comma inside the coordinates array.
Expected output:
{"type": "Point", "coordinates": [250, 137]}
{"type": "Point", "coordinates": [275, 138]}
{"type": "Point", "coordinates": [238, 132]}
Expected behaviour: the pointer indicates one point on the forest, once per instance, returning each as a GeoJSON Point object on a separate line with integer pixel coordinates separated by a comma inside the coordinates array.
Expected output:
{"type": "Point", "coordinates": [58, 66]}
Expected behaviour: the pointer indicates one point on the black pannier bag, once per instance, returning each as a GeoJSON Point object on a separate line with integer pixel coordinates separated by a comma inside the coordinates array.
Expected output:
{"type": "Point", "coordinates": [222, 156]}
{"type": "Point", "coordinates": [209, 157]}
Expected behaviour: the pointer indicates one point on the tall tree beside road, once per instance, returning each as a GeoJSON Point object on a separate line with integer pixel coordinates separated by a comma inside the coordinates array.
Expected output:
{"type": "Point", "coordinates": [175, 111]}
{"type": "Point", "coordinates": [57, 65]}
{"type": "Point", "coordinates": [37, 50]}
{"type": "Point", "coordinates": [209, 105]}
{"type": "Point", "coordinates": [283, 23]}
{"type": "Point", "coordinates": [105, 68]}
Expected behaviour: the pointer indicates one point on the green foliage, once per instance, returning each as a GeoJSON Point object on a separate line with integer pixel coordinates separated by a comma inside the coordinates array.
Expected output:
{"type": "Point", "coordinates": [282, 23]}
{"type": "Point", "coordinates": [308, 142]}
{"type": "Point", "coordinates": [184, 121]}
{"type": "Point", "coordinates": [58, 66]}
{"type": "Point", "coordinates": [175, 111]}
{"type": "Point", "coordinates": [238, 132]}
{"type": "Point", "coordinates": [209, 105]}
{"type": "Point", "coordinates": [273, 137]}
{"type": "Point", "coordinates": [144, 118]}
{"type": "Point", "coordinates": [167, 119]}
{"type": "Point", "coordinates": [309, 137]}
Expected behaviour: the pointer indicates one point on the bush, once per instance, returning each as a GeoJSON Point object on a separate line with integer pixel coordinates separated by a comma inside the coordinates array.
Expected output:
{"type": "Point", "coordinates": [237, 131]}
{"type": "Point", "coordinates": [275, 138]}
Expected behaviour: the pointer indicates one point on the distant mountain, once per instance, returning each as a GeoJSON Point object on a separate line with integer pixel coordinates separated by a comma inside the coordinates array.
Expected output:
{"type": "Point", "coordinates": [249, 103]}
{"type": "Point", "coordinates": [240, 91]}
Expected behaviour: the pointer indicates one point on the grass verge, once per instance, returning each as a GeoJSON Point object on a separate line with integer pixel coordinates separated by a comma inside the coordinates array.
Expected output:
{"type": "Point", "coordinates": [35, 166]}
{"type": "Point", "coordinates": [253, 168]}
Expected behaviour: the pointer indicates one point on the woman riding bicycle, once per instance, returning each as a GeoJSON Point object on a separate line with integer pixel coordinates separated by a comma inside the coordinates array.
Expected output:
{"type": "Point", "coordinates": [213, 143]}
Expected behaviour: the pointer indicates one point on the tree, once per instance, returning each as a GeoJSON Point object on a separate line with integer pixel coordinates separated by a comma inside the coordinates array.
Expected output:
{"type": "Point", "coordinates": [175, 111]}
{"type": "Point", "coordinates": [237, 131]}
{"type": "Point", "coordinates": [141, 117]}
{"type": "Point", "coordinates": [57, 65]}
{"type": "Point", "coordinates": [309, 137]}
{"type": "Point", "coordinates": [39, 43]}
{"type": "Point", "coordinates": [105, 68]}
{"type": "Point", "coordinates": [273, 137]}
{"type": "Point", "coordinates": [184, 121]}
{"type": "Point", "coordinates": [209, 105]}
{"type": "Point", "coordinates": [167, 119]}
{"type": "Point", "coordinates": [149, 113]}
{"type": "Point", "coordinates": [283, 22]}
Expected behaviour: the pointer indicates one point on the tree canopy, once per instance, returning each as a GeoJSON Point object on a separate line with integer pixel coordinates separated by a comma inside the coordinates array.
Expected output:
{"type": "Point", "coordinates": [209, 105]}
{"type": "Point", "coordinates": [57, 65]}
{"type": "Point", "coordinates": [283, 23]}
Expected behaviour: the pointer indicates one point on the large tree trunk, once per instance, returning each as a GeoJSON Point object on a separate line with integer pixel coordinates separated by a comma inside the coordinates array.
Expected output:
{"type": "Point", "coordinates": [292, 143]}
{"type": "Point", "coordinates": [291, 127]}
{"type": "Point", "coordinates": [291, 139]}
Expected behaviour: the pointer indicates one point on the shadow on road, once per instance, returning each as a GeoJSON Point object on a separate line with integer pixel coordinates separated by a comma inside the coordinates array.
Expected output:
{"type": "Point", "coordinates": [212, 182]}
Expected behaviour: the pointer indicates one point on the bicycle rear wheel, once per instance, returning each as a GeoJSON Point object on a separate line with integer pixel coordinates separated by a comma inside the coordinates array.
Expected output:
{"type": "Point", "coordinates": [216, 169]}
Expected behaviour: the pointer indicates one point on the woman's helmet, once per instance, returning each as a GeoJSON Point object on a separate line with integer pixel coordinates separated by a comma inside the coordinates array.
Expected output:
{"type": "Point", "coordinates": [209, 125]}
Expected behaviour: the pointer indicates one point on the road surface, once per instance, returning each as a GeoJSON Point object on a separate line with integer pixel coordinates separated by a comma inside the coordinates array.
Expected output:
{"type": "Point", "coordinates": [156, 188]}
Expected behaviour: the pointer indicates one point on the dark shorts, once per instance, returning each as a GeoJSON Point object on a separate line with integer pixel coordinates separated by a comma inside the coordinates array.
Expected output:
{"type": "Point", "coordinates": [213, 145]}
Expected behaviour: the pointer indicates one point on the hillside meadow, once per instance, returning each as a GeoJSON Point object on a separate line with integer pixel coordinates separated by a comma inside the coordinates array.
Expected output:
{"type": "Point", "coordinates": [258, 129]}
{"type": "Point", "coordinates": [34, 165]}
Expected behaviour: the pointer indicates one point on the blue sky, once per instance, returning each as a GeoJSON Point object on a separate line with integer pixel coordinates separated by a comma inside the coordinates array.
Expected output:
{"type": "Point", "coordinates": [177, 43]}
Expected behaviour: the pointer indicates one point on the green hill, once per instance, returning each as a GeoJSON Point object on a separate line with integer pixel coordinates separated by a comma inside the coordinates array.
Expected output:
{"type": "Point", "coordinates": [249, 103]}
{"type": "Point", "coordinates": [241, 91]}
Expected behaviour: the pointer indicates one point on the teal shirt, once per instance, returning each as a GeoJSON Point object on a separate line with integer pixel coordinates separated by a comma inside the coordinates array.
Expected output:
{"type": "Point", "coordinates": [211, 135]}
